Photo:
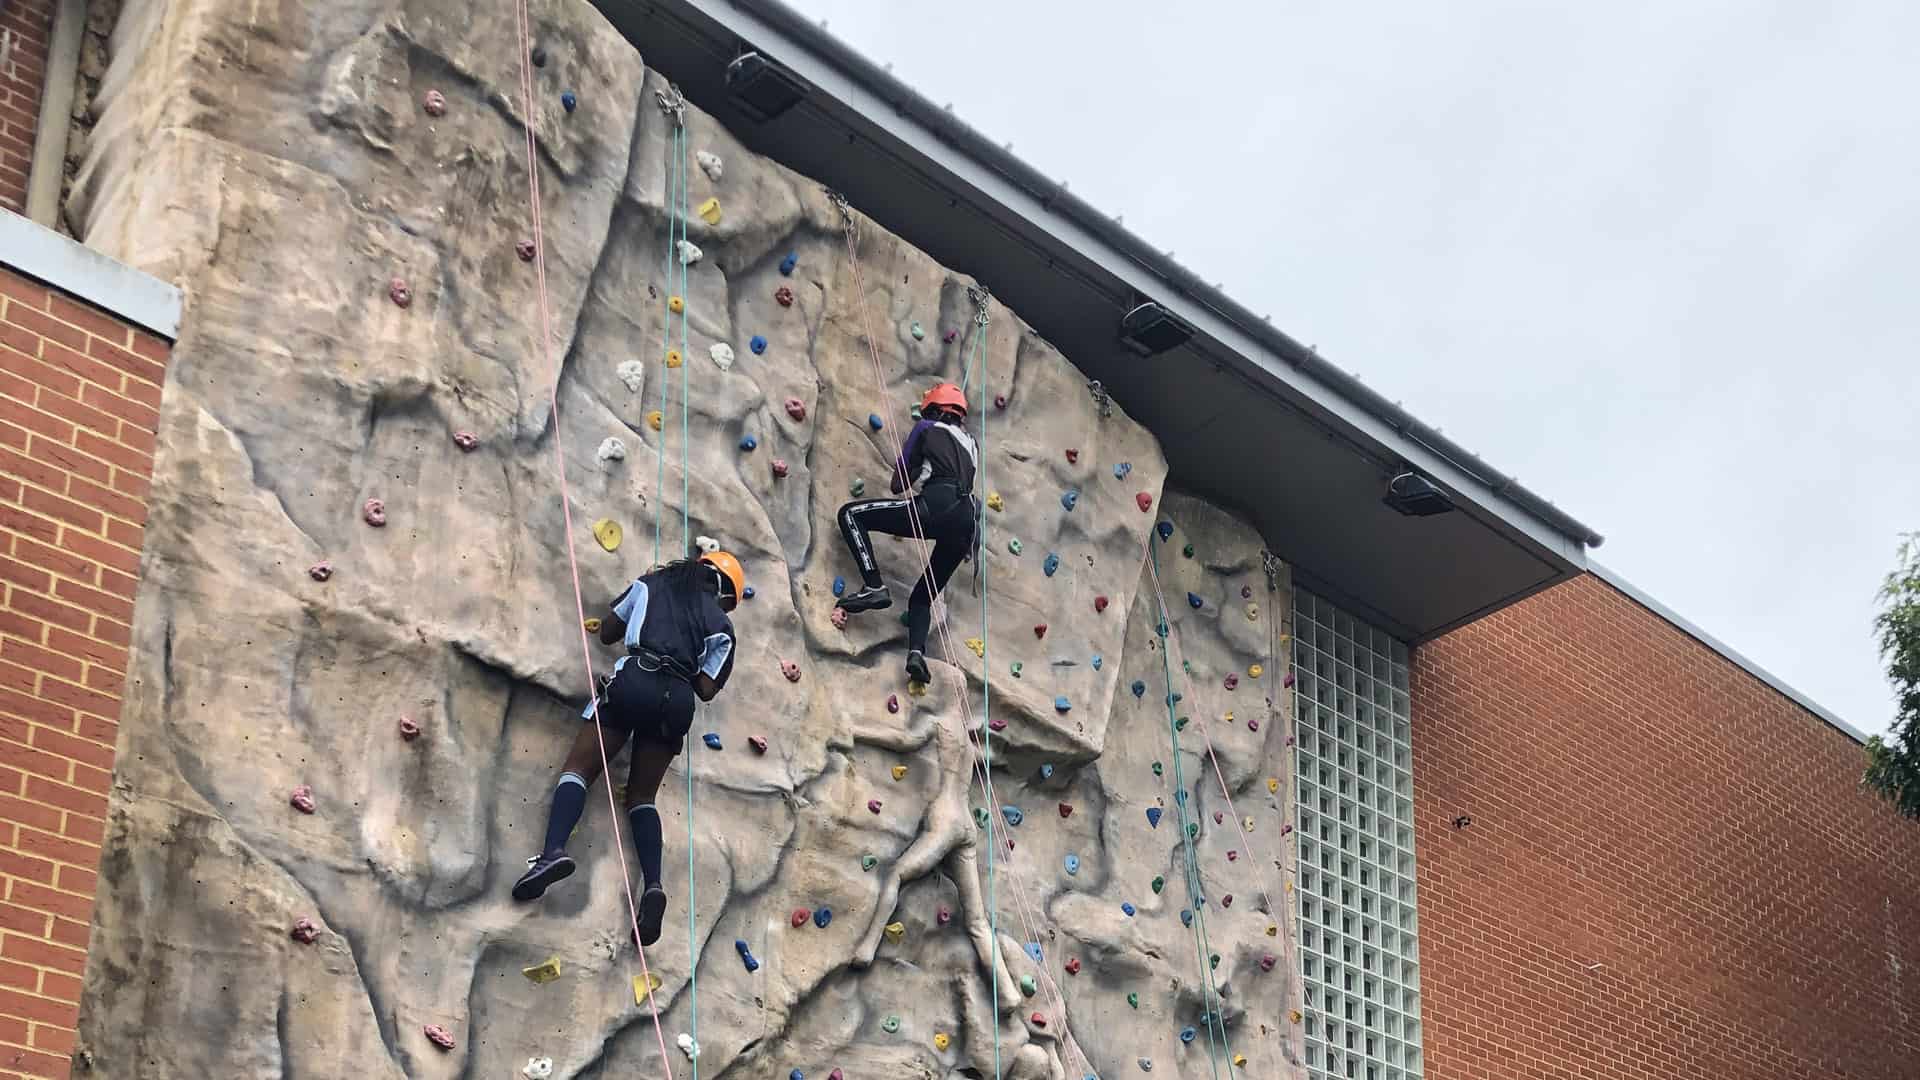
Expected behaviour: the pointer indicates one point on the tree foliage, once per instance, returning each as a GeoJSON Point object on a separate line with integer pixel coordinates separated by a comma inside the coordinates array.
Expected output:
{"type": "Point", "coordinates": [1893, 763]}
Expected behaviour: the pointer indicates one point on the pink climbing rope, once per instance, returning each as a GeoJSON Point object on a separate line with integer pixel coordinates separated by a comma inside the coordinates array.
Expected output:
{"type": "Point", "coordinates": [566, 504]}
{"type": "Point", "coordinates": [980, 771]}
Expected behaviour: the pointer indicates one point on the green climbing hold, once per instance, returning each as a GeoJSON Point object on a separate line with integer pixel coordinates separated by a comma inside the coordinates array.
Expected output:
{"type": "Point", "coordinates": [1028, 987]}
{"type": "Point", "coordinates": [1187, 551]}
{"type": "Point", "coordinates": [1187, 666]}
{"type": "Point", "coordinates": [1158, 884]}
{"type": "Point", "coordinates": [1180, 723]}
{"type": "Point", "coordinates": [891, 1025]}
{"type": "Point", "coordinates": [1158, 769]}
{"type": "Point", "coordinates": [1133, 1000]}
{"type": "Point", "coordinates": [919, 332]}
{"type": "Point", "coordinates": [857, 488]}
{"type": "Point", "coordinates": [1193, 830]}
{"type": "Point", "coordinates": [1213, 961]}
{"type": "Point", "coordinates": [914, 412]}
{"type": "Point", "coordinates": [868, 862]}
{"type": "Point", "coordinates": [1016, 669]}
{"type": "Point", "coordinates": [980, 817]}
{"type": "Point", "coordinates": [1013, 546]}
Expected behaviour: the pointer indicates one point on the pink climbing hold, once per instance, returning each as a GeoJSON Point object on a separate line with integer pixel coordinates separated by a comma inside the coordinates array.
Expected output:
{"type": "Point", "coordinates": [524, 249]}
{"type": "Point", "coordinates": [839, 618]}
{"type": "Point", "coordinates": [783, 296]}
{"type": "Point", "coordinates": [836, 1075]}
{"type": "Point", "coordinates": [1246, 592]}
{"type": "Point", "coordinates": [1073, 456]}
{"type": "Point", "coordinates": [320, 571]}
{"type": "Point", "coordinates": [1037, 1020]}
{"type": "Point", "coordinates": [999, 401]}
{"type": "Point", "coordinates": [1040, 631]}
{"type": "Point", "coordinates": [434, 102]}
{"type": "Point", "coordinates": [1253, 723]}
{"type": "Point", "coordinates": [1288, 681]}
{"type": "Point", "coordinates": [1073, 965]}
{"type": "Point", "coordinates": [1226, 901]}
{"type": "Point", "coordinates": [1233, 856]}
{"type": "Point", "coordinates": [1099, 604]}
{"type": "Point", "coordinates": [943, 916]}
{"type": "Point", "coordinates": [873, 806]}
{"type": "Point", "coordinates": [799, 917]}
{"type": "Point", "coordinates": [466, 440]}
{"type": "Point", "coordinates": [1267, 960]}
{"type": "Point", "coordinates": [409, 729]}
{"type": "Point", "coordinates": [796, 408]}
{"type": "Point", "coordinates": [758, 742]}
{"type": "Point", "coordinates": [1233, 679]}
{"type": "Point", "coordinates": [791, 670]}
{"type": "Point", "coordinates": [439, 1036]}
{"type": "Point", "coordinates": [1066, 810]}
{"type": "Point", "coordinates": [997, 724]}
{"type": "Point", "coordinates": [1285, 829]}
{"type": "Point", "coordinates": [374, 512]}
{"type": "Point", "coordinates": [893, 703]}
{"type": "Point", "coordinates": [302, 799]}
{"type": "Point", "coordinates": [779, 468]}
{"type": "Point", "coordinates": [1217, 818]}
{"type": "Point", "coordinates": [304, 931]}
{"type": "Point", "coordinates": [1144, 501]}
{"type": "Point", "coordinates": [399, 293]}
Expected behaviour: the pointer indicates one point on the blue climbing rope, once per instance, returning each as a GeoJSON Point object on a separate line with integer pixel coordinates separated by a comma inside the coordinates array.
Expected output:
{"type": "Point", "coordinates": [679, 212]}
{"type": "Point", "coordinates": [986, 681]}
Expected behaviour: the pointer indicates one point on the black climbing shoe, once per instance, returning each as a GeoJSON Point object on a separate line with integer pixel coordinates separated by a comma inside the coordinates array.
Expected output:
{"type": "Point", "coordinates": [653, 909]}
{"type": "Point", "coordinates": [542, 871]}
{"type": "Point", "coordinates": [868, 599]}
{"type": "Point", "coordinates": [917, 668]}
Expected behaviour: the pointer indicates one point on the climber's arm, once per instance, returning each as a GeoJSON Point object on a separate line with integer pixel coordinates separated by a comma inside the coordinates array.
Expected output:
{"type": "Point", "coordinates": [716, 665]}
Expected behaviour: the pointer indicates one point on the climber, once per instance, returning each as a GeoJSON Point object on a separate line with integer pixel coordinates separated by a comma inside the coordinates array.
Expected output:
{"type": "Point", "coordinates": [939, 459]}
{"type": "Point", "coordinates": [680, 645]}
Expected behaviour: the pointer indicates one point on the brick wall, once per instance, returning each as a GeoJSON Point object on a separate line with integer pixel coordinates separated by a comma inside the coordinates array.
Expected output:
{"type": "Point", "coordinates": [1671, 869]}
{"type": "Point", "coordinates": [25, 26]}
{"type": "Point", "coordinates": [79, 400]}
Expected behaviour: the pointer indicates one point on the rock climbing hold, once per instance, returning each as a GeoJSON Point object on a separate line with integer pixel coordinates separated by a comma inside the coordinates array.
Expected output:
{"type": "Point", "coordinates": [874, 421]}
{"type": "Point", "coordinates": [435, 103]}
{"type": "Point", "coordinates": [1073, 865]}
{"type": "Point", "coordinates": [1287, 682]}
{"type": "Point", "coordinates": [710, 164]}
{"type": "Point", "coordinates": [1133, 1000]}
{"type": "Point", "coordinates": [1061, 704]}
{"type": "Point", "coordinates": [791, 670]}
{"type": "Point", "coordinates": [1029, 986]}
{"type": "Point", "coordinates": [689, 253]}
{"type": "Point", "coordinates": [839, 586]}
{"type": "Point", "coordinates": [1293, 1015]}
{"type": "Point", "coordinates": [1158, 884]}
{"type": "Point", "coordinates": [746, 956]}
{"type": "Point", "coordinates": [525, 249]}
{"type": "Point", "coordinates": [611, 449]}
{"type": "Point", "coordinates": [1070, 499]}
{"type": "Point", "coordinates": [868, 862]}
{"type": "Point", "coordinates": [1040, 630]}
{"type": "Point", "coordinates": [1033, 951]}
{"type": "Point", "coordinates": [822, 916]}
{"type": "Point", "coordinates": [539, 1068]}
{"type": "Point", "coordinates": [1139, 688]}
{"type": "Point", "coordinates": [1187, 1034]}
{"type": "Point", "coordinates": [538, 56]}
{"type": "Point", "coordinates": [1254, 671]}
{"type": "Point", "coordinates": [1145, 502]}
{"type": "Point", "coordinates": [1013, 546]}
{"type": "Point", "coordinates": [1186, 918]}
{"type": "Point", "coordinates": [941, 1040]}
{"type": "Point", "coordinates": [1194, 601]}
{"type": "Point", "coordinates": [1165, 529]}
{"type": "Point", "coordinates": [1253, 723]}
{"type": "Point", "coordinates": [758, 742]}
{"type": "Point", "coordinates": [709, 211]}
{"type": "Point", "coordinates": [1050, 564]}
{"type": "Point", "coordinates": [1046, 772]}
{"type": "Point", "coordinates": [1232, 680]}
{"type": "Point", "coordinates": [977, 647]}
{"type": "Point", "coordinates": [644, 985]}
{"type": "Point", "coordinates": [1161, 629]}
{"type": "Point", "coordinates": [399, 292]}
{"type": "Point", "coordinates": [466, 440]}
{"type": "Point", "coordinates": [783, 296]}
{"type": "Point", "coordinates": [1159, 769]}
{"type": "Point", "coordinates": [758, 344]}
{"type": "Point", "coordinates": [890, 1025]}
{"type": "Point", "coordinates": [438, 1036]}
{"type": "Point", "coordinates": [796, 408]}
{"type": "Point", "coordinates": [1097, 662]}
{"type": "Point", "coordinates": [1273, 785]}
{"type": "Point", "coordinates": [1037, 1020]}
{"type": "Point", "coordinates": [1100, 604]}
{"type": "Point", "coordinates": [1146, 1064]}
{"type": "Point", "coordinates": [302, 799]}
{"type": "Point", "coordinates": [787, 264]}
{"type": "Point", "coordinates": [747, 593]}
{"type": "Point", "coordinates": [1066, 810]}
{"type": "Point", "coordinates": [304, 930]}
{"type": "Point", "coordinates": [543, 972]}
{"type": "Point", "coordinates": [1127, 910]}
{"type": "Point", "coordinates": [568, 101]}
{"type": "Point", "coordinates": [676, 305]}
{"type": "Point", "coordinates": [1226, 901]}
{"type": "Point", "coordinates": [899, 773]}
{"type": "Point", "coordinates": [799, 917]}
{"type": "Point", "coordinates": [1267, 960]}
{"type": "Point", "coordinates": [893, 703]}
{"type": "Point", "coordinates": [919, 332]}
{"type": "Point", "coordinates": [1193, 829]}
{"type": "Point", "coordinates": [320, 571]}
{"type": "Point", "coordinates": [779, 468]}
{"type": "Point", "coordinates": [915, 689]}
{"type": "Point", "coordinates": [374, 513]}
{"type": "Point", "coordinates": [896, 932]}
{"type": "Point", "coordinates": [409, 730]}
{"type": "Point", "coordinates": [857, 489]}
{"type": "Point", "coordinates": [712, 739]}
{"type": "Point", "coordinates": [1240, 1061]}
{"type": "Point", "coordinates": [1153, 816]}
{"type": "Point", "coordinates": [1187, 551]}
{"type": "Point", "coordinates": [796, 1075]}
{"type": "Point", "coordinates": [1180, 797]}
{"type": "Point", "coordinates": [607, 532]}
{"type": "Point", "coordinates": [706, 545]}
{"type": "Point", "coordinates": [999, 401]}
{"type": "Point", "coordinates": [1012, 814]}
{"type": "Point", "coordinates": [873, 806]}
{"type": "Point", "coordinates": [1247, 824]}
{"type": "Point", "coordinates": [1016, 668]}
{"type": "Point", "coordinates": [997, 724]}
{"type": "Point", "coordinates": [653, 419]}
{"type": "Point", "coordinates": [687, 1046]}
{"type": "Point", "coordinates": [1233, 855]}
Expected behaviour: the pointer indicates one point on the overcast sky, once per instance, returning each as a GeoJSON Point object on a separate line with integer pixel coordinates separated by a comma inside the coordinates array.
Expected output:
{"type": "Point", "coordinates": [1659, 258]}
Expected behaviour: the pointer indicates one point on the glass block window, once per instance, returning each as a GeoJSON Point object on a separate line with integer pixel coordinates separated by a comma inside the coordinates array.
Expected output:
{"type": "Point", "coordinates": [1358, 923]}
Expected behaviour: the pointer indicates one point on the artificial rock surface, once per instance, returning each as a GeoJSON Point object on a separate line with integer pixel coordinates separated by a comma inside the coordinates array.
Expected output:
{"type": "Point", "coordinates": [276, 161]}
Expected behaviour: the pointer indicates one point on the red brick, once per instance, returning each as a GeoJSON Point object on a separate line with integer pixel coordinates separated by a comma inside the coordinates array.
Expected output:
{"type": "Point", "coordinates": [13, 1031]}
{"type": "Point", "coordinates": [19, 573]}
{"type": "Point", "coordinates": [75, 879]}
{"type": "Point", "coordinates": [44, 325]}
{"type": "Point", "coordinates": [112, 632]}
{"type": "Point", "coordinates": [13, 1003]}
{"type": "Point", "coordinates": [25, 870]}
{"type": "Point", "coordinates": [85, 417]}
{"type": "Point", "coordinates": [27, 950]}
{"type": "Point", "coordinates": [24, 680]}
{"type": "Point", "coordinates": [126, 408]}
{"type": "Point", "coordinates": [20, 390]}
{"type": "Point", "coordinates": [28, 416]}
{"type": "Point", "coordinates": [86, 648]}
{"type": "Point", "coordinates": [151, 347]}
{"type": "Point", "coordinates": [41, 660]}
{"type": "Point", "coordinates": [14, 519]}
{"type": "Point", "coordinates": [60, 850]}
{"type": "Point", "coordinates": [40, 473]}
{"type": "Point", "coordinates": [114, 607]}
{"type": "Point", "coordinates": [114, 452]}
{"type": "Point", "coordinates": [39, 1065]}
{"type": "Point", "coordinates": [91, 779]}
{"type": "Point", "coordinates": [24, 920]}
{"type": "Point", "coordinates": [53, 1040]}
{"type": "Point", "coordinates": [86, 830]}
{"type": "Point", "coordinates": [64, 509]}
{"type": "Point", "coordinates": [82, 366]}
{"type": "Point", "coordinates": [98, 730]}
{"type": "Point", "coordinates": [34, 762]}
{"type": "Point", "coordinates": [96, 550]}
{"type": "Point", "coordinates": [15, 624]}
{"type": "Point", "coordinates": [132, 485]}
{"type": "Point", "coordinates": [51, 610]}
{"type": "Point", "coordinates": [52, 559]}
{"type": "Point", "coordinates": [111, 683]}
{"type": "Point", "coordinates": [12, 781]}
{"type": "Point", "coordinates": [66, 457]}
{"type": "Point", "coordinates": [94, 495]}
{"type": "Point", "coordinates": [19, 977]}
{"type": "Point", "coordinates": [25, 812]}
{"type": "Point", "coordinates": [79, 698]}
{"type": "Point", "coordinates": [126, 534]}
{"type": "Point", "coordinates": [92, 320]}
{"type": "Point", "coordinates": [92, 753]}
{"type": "Point", "coordinates": [25, 291]}
{"type": "Point", "coordinates": [40, 711]}
{"type": "Point", "coordinates": [131, 363]}
{"type": "Point", "coordinates": [60, 987]}
{"type": "Point", "coordinates": [142, 441]}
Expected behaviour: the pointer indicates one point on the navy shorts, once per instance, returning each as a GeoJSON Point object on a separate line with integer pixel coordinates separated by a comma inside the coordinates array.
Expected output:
{"type": "Point", "coordinates": [655, 707]}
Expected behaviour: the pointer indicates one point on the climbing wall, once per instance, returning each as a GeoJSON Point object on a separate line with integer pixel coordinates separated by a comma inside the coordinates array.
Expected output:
{"type": "Point", "coordinates": [357, 661]}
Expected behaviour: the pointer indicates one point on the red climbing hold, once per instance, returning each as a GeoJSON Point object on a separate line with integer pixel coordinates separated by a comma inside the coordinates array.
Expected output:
{"type": "Point", "coordinates": [758, 742]}
{"type": "Point", "coordinates": [1267, 960]}
{"type": "Point", "coordinates": [1073, 965]}
{"type": "Point", "coordinates": [799, 917]}
{"type": "Point", "coordinates": [1144, 501]}
{"type": "Point", "coordinates": [1073, 457]}
{"type": "Point", "coordinates": [1040, 631]}
{"type": "Point", "coordinates": [1037, 1020]}
{"type": "Point", "coordinates": [1066, 810]}
{"type": "Point", "coordinates": [997, 724]}
{"type": "Point", "coordinates": [320, 571]}
{"type": "Point", "coordinates": [838, 618]}
{"type": "Point", "coordinates": [434, 102]}
{"type": "Point", "coordinates": [399, 293]}
{"type": "Point", "coordinates": [409, 730]}
{"type": "Point", "coordinates": [439, 1036]}
{"type": "Point", "coordinates": [465, 440]}
{"type": "Point", "coordinates": [791, 670]}
{"type": "Point", "coordinates": [1233, 856]}
{"type": "Point", "coordinates": [999, 401]}
{"type": "Point", "coordinates": [783, 296]}
{"type": "Point", "coordinates": [302, 799]}
{"type": "Point", "coordinates": [304, 931]}
{"type": "Point", "coordinates": [796, 408]}
{"type": "Point", "coordinates": [1233, 679]}
{"type": "Point", "coordinates": [374, 512]}
{"type": "Point", "coordinates": [524, 249]}
{"type": "Point", "coordinates": [873, 806]}
{"type": "Point", "coordinates": [949, 336]}
{"type": "Point", "coordinates": [779, 468]}
{"type": "Point", "coordinates": [943, 916]}
{"type": "Point", "coordinates": [893, 703]}
{"type": "Point", "coordinates": [1099, 604]}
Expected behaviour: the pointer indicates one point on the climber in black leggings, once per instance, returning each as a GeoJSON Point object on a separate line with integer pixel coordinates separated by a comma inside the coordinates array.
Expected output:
{"type": "Point", "coordinates": [939, 460]}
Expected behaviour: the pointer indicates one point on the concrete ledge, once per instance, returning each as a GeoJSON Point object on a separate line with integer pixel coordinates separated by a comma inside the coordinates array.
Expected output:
{"type": "Point", "coordinates": [85, 274]}
{"type": "Point", "coordinates": [1711, 642]}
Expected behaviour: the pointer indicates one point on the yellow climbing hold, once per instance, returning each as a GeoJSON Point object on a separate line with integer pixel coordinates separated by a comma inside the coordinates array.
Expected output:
{"type": "Point", "coordinates": [1248, 825]}
{"type": "Point", "coordinates": [642, 986]}
{"type": "Point", "coordinates": [995, 502]}
{"type": "Point", "coordinates": [896, 932]}
{"type": "Point", "coordinates": [1294, 1015]}
{"type": "Point", "coordinates": [1255, 671]}
{"type": "Point", "coordinates": [978, 646]}
{"type": "Point", "coordinates": [1229, 716]}
{"type": "Point", "coordinates": [899, 772]}
{"type": "Point", "coordinates": [1239, 1061]}
{"type": "Point", "coordinates": [1273, 785]}
{"type": "Point", "coordinates": [676, 305]}
{"type": "Point", "coordinates": [709, 211]}
{"type": "Point", "coordinates": [543, 972]}
{"type": "Point", "coordinates": [607, 531]}
{"type": "Point", "coordinates": [653, 419]}
{"type": "Point", "coordinates": [1272, 930]}
{"type": "Point", "coordinates": [673, 358]}
{"type": "Point", "coordinates": [592, 625]}
{"type": "Point", "coordinates": [941, 1040]}
{"type": "Point", "coordinates": [1284, 638]}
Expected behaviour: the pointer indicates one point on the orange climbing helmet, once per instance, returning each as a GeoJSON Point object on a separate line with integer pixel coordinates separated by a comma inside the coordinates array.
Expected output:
{"type": "Point", "coordinates": [947, 396]}
{"type": "Point", "coordinates": [729, 568]}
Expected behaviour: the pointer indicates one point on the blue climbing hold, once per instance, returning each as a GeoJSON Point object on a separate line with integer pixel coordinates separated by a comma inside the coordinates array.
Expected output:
{"type": "Point", "coordinates": [1033, 950]}
{"type": "Point", "coordinates": [1180, 796]}
{"type": "Point", "coordinates": [796, 1075]}
{"type": "Point", "coordinates": [568, 101]}
{"type": "Point", "coordinates": [1061, 704]}
{"type": "Point", "coordinates": [1097, 661]}
{"type": "Point", "coordinates": [712, 739]}
{"type": "Point", "coordinates": [1073, 865]}
{"type": "Point", "coordinates": [1186, 1036]}
{"type": "Point", "coordinates": [758, 344]}
{"type": "Point", "coordinates": [1121, 470]}
{"type": "Point", "coordinates": [1050, 564]}
{"type": "Point", "coordinates": [1046, 772]}
{"type": "Point", "coordinates": [1012, 814]}
{"type": "Point", "coordinates": [787, 264]}
{"type": "Point", "coordinates": [822, 917]}
{"type": "Point", "coordinates": [839, 586]}
{"type": "Point", "coordinates": [1153, 816]}
{"type": "Point", "coordinates": [747, 592]}
{"type": "Point", "coordinates": [1186, 918]}
{"type": "Point", "coordinates": [740, 947]}
{"type": "Point", "coordinates": [1161, 628]}
{"type": "Point", "coordinates": [1173, 698]}
{"type": "Point", "coordinates": [1194, 601]}
{"type": "Point", "coordinates": [1139, 689]}
{"type": "Point", "coordinates": [1127, 910]}
{"type": "Point", "coordinates": [748, 442]}
{"type": "Point", "coordinates": [1165, 528]}
{"type": "Point", "coordinates": [1069, 499]}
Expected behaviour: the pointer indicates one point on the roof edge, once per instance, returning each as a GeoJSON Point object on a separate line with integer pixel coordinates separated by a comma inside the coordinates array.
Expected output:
{"type": "Point", "coordinates": [1680, 622]}
{"type": "Point", "coordinates": [85, 274]}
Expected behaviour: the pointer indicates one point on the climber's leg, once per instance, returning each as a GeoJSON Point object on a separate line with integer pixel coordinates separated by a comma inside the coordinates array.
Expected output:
{"type": "Point", "coordinates": [664, 705]}
{"type": "Point", "coordinates": [578, 773]}
{"type": "Point", "coordinates": [858, 521]}
{"type": "Point", "coordinates": [949, 549]}
{"type": "Point", "coordinates": [643, 784]}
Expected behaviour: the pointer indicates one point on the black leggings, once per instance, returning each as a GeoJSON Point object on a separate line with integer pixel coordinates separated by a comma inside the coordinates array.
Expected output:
{"type": "Point", "coordinates": [946, 517]}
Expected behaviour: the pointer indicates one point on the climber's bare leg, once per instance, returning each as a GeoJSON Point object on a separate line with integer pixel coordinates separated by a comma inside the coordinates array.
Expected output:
{"type": "Point", "coordinates": [583, 757]}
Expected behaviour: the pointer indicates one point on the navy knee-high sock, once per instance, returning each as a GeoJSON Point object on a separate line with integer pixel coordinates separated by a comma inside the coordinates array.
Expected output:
{"type": "Point", "coordinates": [569, 802]}
{"type": "Point", "coordinates": [645, 819]}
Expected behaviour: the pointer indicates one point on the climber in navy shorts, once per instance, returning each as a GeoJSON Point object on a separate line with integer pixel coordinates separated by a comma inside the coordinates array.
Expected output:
{"type": "Point", "coordinates": [939, 461]}
{"type": "Point", "coordinates": [680, 646]}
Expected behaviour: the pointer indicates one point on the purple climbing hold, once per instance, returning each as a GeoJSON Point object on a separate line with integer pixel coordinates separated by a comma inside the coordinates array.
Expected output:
{"type": "Point", "coordinates": [1232, 680]}
{"type": "Point", "coordinates": [1288, 681]}
{"type": "Point", "coordinates": [999, 401]}
{"type": "Point", "coordinates": [873, 806]}
{"type": "Point", "coordinates": [466, 440]}
{"type": "Point", "coordinates": [1246, 592]}
{"type": "Point", "coordinates": [320, 571]}
{"type": "Point", "coordinates": [524, 249]}
{"type": "Point", "coordinates": [943, 915]}
{"type": "Point", "coordinates": [409, 729]}
{"type": "Point", "coordinates": [438, 1035]}
{"type": "Point", "coordinates": [893, 703]}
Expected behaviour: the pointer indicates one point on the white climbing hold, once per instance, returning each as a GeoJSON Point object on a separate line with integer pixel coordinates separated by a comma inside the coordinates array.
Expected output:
{"type": "Point", "coordinates": [687, 1046]}
{"type": "Point", "coordinates": [722, 354]}
{"type": "Point", "coordinates": [710, 164]}
{"type": "Point", "coordinates": [633, 373]}
{"type": "Point", "coordinates": [540, 1068]}
{"type": "Point", "coordinates": [689, 253]}
{"type": "Point", "coordinates": [613, 450]}
{"type": "Point", "coordinates": [707, 544]}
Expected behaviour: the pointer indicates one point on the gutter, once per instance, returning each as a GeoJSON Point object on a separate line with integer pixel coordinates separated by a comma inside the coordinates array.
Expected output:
{"type": "Point", "coordinates": [1055, 196]}
{"type": "Point", "coordinates": [47, 171]}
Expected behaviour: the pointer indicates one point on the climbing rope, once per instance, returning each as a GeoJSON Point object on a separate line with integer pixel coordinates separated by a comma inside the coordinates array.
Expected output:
{"type": "Point", "coordinates": [566, 507]}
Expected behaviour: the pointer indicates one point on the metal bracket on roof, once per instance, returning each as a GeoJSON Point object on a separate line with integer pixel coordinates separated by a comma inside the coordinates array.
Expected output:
{"type": "Point", "coordinates": [673, 104]}
{"type": "Point", "coordinates": [1100, 399]}
{"type": "Point", "coordinates": [1271, 564]}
